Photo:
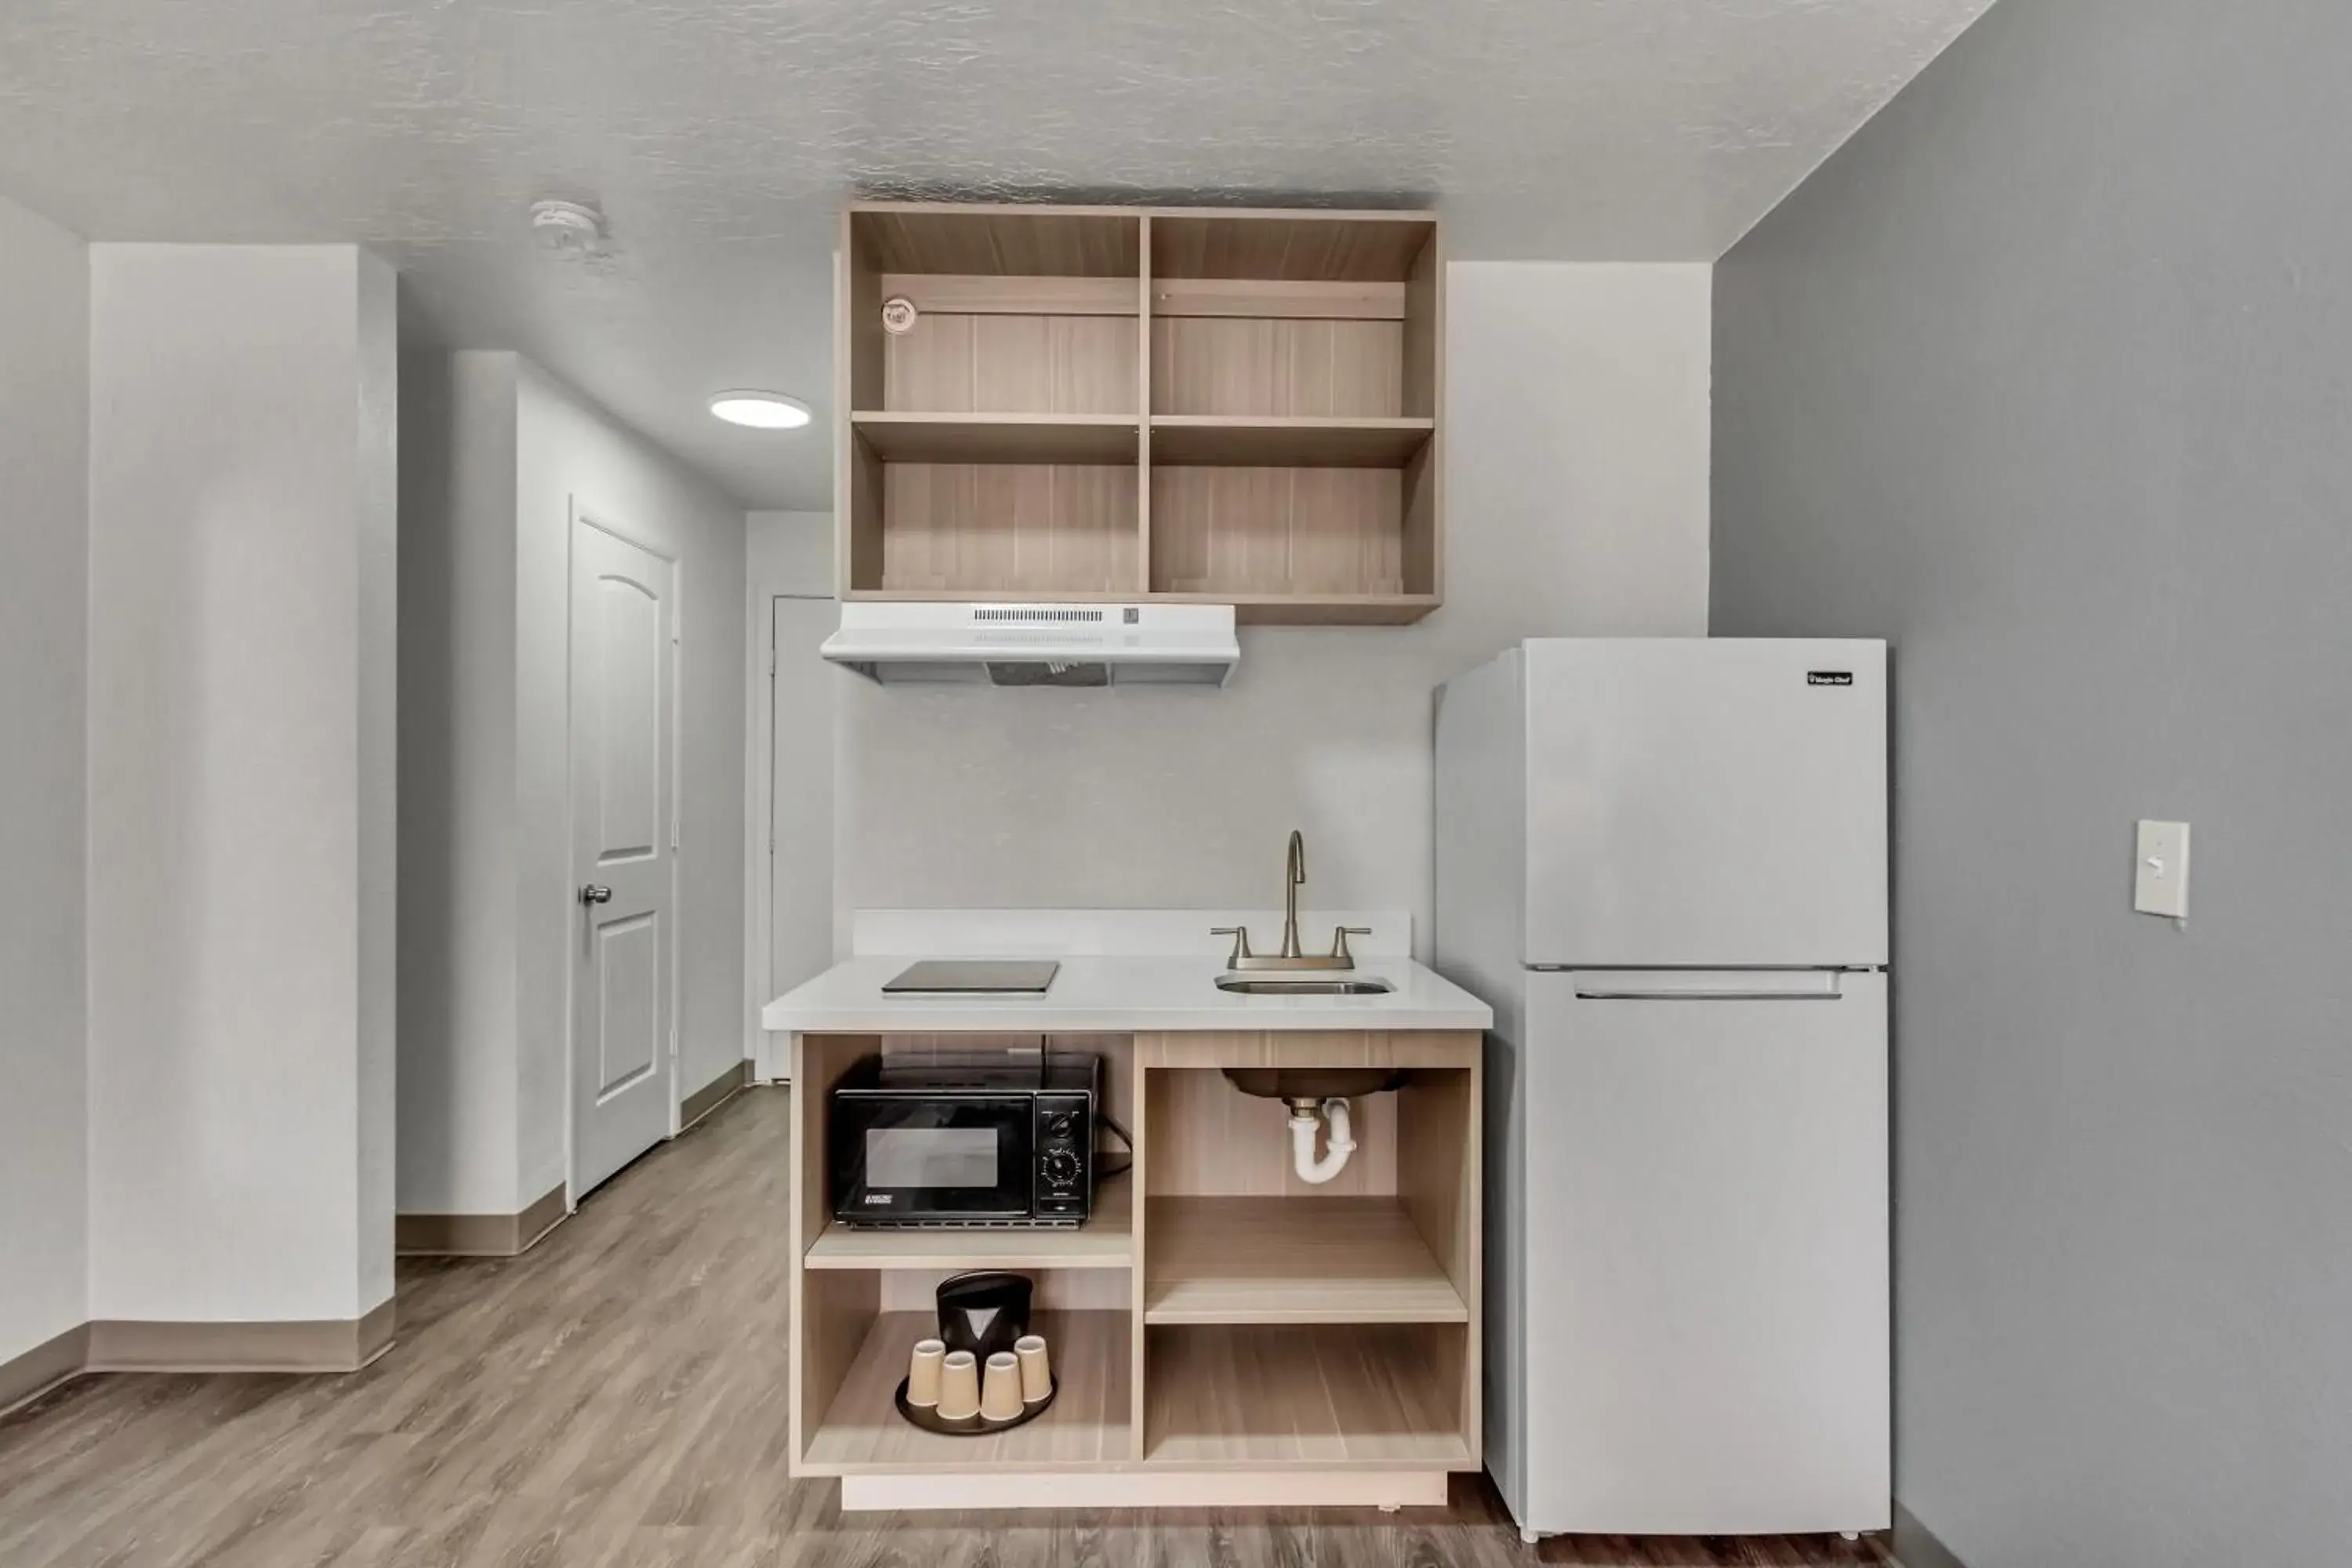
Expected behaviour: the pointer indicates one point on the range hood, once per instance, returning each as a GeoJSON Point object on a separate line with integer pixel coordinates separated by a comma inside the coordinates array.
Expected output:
{"type": "Point", "coordinates": [1036, 644]}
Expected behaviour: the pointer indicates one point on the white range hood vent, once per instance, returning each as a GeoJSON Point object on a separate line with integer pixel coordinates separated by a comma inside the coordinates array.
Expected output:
{"type": "Point", "coordinates": [1036, 644]}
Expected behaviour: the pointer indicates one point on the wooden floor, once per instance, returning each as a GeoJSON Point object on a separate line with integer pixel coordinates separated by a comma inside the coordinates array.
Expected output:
{"type": "Point", "coordinates": [616, 1396]}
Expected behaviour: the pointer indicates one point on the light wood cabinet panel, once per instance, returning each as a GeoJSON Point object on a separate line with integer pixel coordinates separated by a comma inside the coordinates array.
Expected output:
{"type": "Point", "coordinates": [1012, 364]}
{"type": "Point", "coordinates": [1009, 528]}
{"type": "Point", "coordinates": [1277, 368]}
{"type": "Point", "coordinates": [1300, 532]}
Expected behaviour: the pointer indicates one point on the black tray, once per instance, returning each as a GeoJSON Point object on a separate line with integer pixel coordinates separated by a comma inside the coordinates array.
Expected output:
{"type": "Point", "coordinates": [930, 1419]}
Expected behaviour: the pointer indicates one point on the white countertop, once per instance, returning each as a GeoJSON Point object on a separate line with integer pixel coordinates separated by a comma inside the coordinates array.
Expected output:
{"type": "Point", "coordinates": [1120, 995]}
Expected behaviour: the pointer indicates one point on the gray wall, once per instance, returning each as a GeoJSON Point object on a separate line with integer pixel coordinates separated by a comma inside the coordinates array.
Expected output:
{"type": "Point", "coordinates": [1577, 430]}
{"type": "Point", "coordinates": [44, 666]}
{"type": "Point", "coordinates": [2044, 377]}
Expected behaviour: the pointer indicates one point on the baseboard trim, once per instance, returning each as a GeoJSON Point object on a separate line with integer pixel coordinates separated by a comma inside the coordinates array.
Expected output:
{"type": "Point", "coordinates": [336, 1344]}
{"type": "Point", "coordinates": [477, 1235]}
{"type": "Point", "coordinates": [1915, 1545]}
{"type": "Point", "coordinates": [24, 1378]}
{"type": "Point", "coordinates": [1137, 1488]}
{"type": "Point", "coordinates": [713, 1095]}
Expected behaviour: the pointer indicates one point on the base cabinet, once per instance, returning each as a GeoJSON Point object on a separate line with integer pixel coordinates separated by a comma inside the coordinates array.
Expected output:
{"type": "Point", "coordinates": [1222, 1332]}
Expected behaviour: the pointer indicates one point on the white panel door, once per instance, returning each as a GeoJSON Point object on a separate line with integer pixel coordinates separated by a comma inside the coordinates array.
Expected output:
{"type": "Point", "coordinates": [1705, 801]}
{"type": "Point", "coordinates": [623, 833]}
{"type": "Point", "coordinates": [1705, 1280]}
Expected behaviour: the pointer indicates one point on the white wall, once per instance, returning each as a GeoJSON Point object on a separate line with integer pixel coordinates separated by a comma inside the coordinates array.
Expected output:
{"type": "Point", "coordinates": [240, 796]}
{"type": "Point", "coordinates": [792, 795]}
{"type": "Point", "coordinates": [44, 599]}
{"type": "Point", "coordinates": [458, 919]}
{"type": "Point", "coordinates": [498, 454]}
{"type": "Point", "coordinates": [1576, 503]}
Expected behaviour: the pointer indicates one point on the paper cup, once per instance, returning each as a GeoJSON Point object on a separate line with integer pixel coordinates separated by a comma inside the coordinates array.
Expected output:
{"type": "Point", "coordinates": [959, 1386]}
{"type": "Point", "coordinates": [1037, 1371]}
{"type": "Point", "coordinates": [1000, 1396]}
{"type": "Point", "coordinates": [923, 1372]}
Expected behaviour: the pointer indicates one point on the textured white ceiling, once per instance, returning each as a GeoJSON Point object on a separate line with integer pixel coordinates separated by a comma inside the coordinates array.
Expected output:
{"type": "Point", "coordinates": [721, 135]}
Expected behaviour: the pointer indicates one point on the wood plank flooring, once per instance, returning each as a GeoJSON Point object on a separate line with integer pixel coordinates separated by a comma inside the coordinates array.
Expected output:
{"type": "Point", "coordinates": [616, 1397]}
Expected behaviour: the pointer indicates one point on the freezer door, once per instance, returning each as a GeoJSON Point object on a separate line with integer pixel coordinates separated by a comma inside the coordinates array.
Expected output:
{"type": "Point", "coordinates": [1704, 801]}
{"type": "Point", "coordinates": [1705, 1272]}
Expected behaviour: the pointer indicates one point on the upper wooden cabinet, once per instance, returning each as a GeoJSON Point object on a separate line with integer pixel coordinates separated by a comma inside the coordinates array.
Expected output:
{"type": "Point", "coordinates": [1216, 405]}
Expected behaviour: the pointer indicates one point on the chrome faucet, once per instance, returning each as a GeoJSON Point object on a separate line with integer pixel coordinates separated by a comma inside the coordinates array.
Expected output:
{"type": "Point", "coordinates": [1294, 876]}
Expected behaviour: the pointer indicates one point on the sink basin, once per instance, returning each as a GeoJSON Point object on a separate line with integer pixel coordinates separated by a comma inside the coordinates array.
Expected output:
{"type": "Point", "coordinates": [1312, 1083]}
{"type": "Point", "coordinates": [1308, 1083]}
{"type": "Point", "coordinates": [1260, 985]}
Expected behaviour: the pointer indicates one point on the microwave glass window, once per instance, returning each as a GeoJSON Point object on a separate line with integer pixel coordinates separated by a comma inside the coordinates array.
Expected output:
{"type": "Point", "coordinates": [911, 1158]}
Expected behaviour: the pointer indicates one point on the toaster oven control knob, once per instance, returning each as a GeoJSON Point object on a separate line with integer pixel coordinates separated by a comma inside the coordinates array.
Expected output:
{"type": "Point", "coordinates": [1062, 1125]}
{"type": "Point", "coordinates": [1061, 1167]}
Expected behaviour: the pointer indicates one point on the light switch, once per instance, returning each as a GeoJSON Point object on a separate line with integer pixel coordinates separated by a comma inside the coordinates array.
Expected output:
{"type": "Point", "coordinates": [2161, 882]}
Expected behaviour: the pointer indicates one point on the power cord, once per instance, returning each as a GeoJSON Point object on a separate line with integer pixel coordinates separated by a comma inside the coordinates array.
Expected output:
{"type": "Point", "coordinates": [1121, 1170]}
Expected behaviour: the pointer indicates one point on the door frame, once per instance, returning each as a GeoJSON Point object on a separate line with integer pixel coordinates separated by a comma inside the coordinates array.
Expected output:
{"type": "Point", "coordinates": [579, 514]}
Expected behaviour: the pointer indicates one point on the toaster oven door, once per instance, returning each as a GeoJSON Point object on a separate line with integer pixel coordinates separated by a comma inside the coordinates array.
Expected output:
{"type": "Point", "coordinates": [914, 1160]}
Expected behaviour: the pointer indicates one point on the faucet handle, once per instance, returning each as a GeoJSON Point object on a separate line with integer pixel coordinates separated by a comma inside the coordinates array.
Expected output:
{"type": "Point", "coordinates": [1241, 943]}
{"type": "Point", "coordinates": [1340, 943]}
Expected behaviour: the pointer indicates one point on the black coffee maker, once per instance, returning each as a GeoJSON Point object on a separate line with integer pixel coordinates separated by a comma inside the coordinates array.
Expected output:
{"type": "Point", "coordinates": [983, 1312]}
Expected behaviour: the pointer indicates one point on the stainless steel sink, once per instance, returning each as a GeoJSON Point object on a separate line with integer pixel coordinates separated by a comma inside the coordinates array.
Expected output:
{"type": "Point", "coordinates": [1262, 985]}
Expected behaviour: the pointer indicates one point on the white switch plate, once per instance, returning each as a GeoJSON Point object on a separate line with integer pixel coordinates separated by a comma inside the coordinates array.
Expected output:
{"type": "Point", "coordinates": [2160, 880]}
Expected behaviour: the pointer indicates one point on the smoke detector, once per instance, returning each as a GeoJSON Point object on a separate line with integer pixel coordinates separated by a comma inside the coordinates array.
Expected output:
{"type": "Point", "coordinates": [567, 227]}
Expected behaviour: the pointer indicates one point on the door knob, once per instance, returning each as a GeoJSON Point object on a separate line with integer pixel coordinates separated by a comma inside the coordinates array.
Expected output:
{"type": "Point", "coordinates": [595, 893]}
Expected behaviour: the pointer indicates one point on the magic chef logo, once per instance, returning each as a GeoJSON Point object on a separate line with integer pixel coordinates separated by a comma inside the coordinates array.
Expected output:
{"type": "Point", "coordinates": [876, 1199]}
{"type": "Point", "coordinates": [1828, 677]}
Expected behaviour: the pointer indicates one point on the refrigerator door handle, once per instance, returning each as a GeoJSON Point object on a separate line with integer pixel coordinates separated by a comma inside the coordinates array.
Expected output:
{"type": "Point", "coordinates": [1718, 985]}
{"type": "Point", "coordinates": [1584, 995]}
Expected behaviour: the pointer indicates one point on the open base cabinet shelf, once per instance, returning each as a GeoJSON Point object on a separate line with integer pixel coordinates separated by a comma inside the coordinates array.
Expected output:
{"type": "Point", "coordinates": [1331, 1395]}
{"type": "Point", "coordinates": [1293, 1260]}
{"type": "Point", "coordinates": [1088, 1423]}
{"type": "Point", "coordinates": [1217, 1319]}
{"type": "Point", "coordinates": [1143, 404]}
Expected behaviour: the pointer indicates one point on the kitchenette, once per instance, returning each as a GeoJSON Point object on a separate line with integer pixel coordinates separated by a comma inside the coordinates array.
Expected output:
{"type": "Point", "coordinates": [1246, 1214]}
{"type": "Point", "coordinates": [1562, 1157]}
{"type": "Point", "coordinates": [1135, 1208]}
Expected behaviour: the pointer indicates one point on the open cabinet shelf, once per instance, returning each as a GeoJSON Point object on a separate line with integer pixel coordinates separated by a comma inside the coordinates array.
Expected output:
{"type": "Point", "coordinates": [1332, 1393]}
{"type": "Point", "coordinates": [1106, 1241]}
{"type": "Point", "coordinates": [1089, 1423]}
{"type": "Point", "coordinates": [1153, 404]}
{"type": "Point", "coordinates": [1293, 1260]}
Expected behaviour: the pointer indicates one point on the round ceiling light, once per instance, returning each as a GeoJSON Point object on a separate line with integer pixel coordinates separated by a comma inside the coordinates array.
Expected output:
{"type": "Point", "coordinates": [760, 410]}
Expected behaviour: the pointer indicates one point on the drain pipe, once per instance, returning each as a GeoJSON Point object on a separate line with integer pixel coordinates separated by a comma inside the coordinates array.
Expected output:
{"type": "Point", "coordinates": [1307, 1117]}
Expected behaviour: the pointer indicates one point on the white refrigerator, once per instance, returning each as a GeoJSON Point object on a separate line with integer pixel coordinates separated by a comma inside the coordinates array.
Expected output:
{"type": "Point", "coordinates": [1663, 862]}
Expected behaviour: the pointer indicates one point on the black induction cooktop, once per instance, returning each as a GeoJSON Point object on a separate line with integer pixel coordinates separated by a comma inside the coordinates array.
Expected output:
{"type": "Point", "coordinates": [973, 976]}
